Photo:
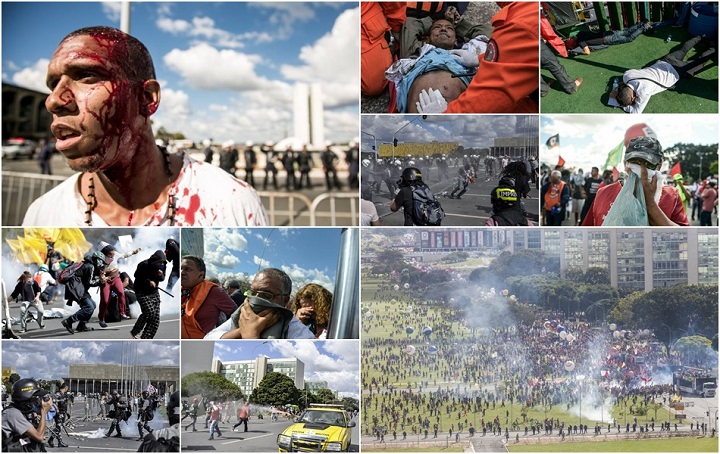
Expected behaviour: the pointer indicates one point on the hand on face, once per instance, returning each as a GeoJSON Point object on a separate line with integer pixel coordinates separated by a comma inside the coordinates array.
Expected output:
{"type": "Point", "coordinates": [649, 186]}
{"type": "Point", "coordinates": [252, 325]}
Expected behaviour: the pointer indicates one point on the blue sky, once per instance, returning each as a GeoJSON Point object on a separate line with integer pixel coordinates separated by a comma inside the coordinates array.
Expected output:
{"type": "Point", "coordinates": [306, 255]}
{"type": "Point", "coordinates": [336, 362]}
{"type": "Point", "coordinates": [49, 360]}
{"type": "Point", "coordinates": [471, 131]}
{"type": "Point", "coordinates": [586, 140]}
{"type": "Point", "coordinates": [227, 69]}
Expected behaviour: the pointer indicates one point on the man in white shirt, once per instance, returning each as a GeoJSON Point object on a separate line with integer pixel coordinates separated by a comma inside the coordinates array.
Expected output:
{"type": "Point", "coordinates": [270, 284]}
{"type": "Point", "coordinates": [639, 85]}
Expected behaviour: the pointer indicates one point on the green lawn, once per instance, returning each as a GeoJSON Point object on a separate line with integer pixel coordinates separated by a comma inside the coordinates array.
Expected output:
{"type": "Point", "coordinates": [695, 95]}
{"type": "Point", "coordinates": [453, 449]}
{"type": "Point", "coordinates": [670, 445]}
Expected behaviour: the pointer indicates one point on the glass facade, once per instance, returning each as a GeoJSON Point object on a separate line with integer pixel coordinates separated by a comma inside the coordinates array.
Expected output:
{"type": "Point", "coordinates": [598, 250]}
{"type": "Point", "coordinates": [707, 260]}
{"type": "Point", "coordinates": [630, 259]}
{"type": "Point", "coordinates": [670, 258]}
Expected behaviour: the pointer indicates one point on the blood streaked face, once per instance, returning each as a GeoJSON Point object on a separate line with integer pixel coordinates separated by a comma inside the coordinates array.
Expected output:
{"type": "Point", "coordinates": [94, 107]}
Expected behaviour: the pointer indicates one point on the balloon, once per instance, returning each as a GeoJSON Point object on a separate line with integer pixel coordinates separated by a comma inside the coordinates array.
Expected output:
{"type": "Point", "coordinates": [547, 324]}
{"type": "Point", "coordinates": [494, 355]}
{"type": "Point", "coordinates": [396, 287]}
{"type": "Point", "coordinates": [612, 326]}
{"type": "Point", "coordinates": [646, 332]}
{"type": "Point", "coordinates": [563, 335]}
{"type": "Point", "coordinates": [505, 292]}
{"type": "Point", "coordinates": [410, 350]}
{"type": "Point", "coordinates": [427, 331]}
{"type": "Point", "coordinates": [409, 330]}
{"type": "Point", "coordinates": [616, 334]}
{"type": "Point", "coordinates": [407, 286]}
{"type": "Point", "coordinates": [432, 350]}
{"type": "Point", "coordinates": [513, 298]}
{"type": "Point", "coordinates": [571, 338]}
{"type": "Point", "coordinates": [393, 301]}
{"type": "Point", "coordinates": [452, 300]}
{"type": "Point", "coordinates": [569, 366]}
{"type": "Point", "coordinates": [409, 308]}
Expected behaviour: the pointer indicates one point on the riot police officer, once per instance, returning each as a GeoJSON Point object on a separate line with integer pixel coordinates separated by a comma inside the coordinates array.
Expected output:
{"type": "Point", "coordinates": [146, 410]}
{"type": "Point", "coordinates": [118, 413]}
{"type": "Point", "coordinates": [62, 398]}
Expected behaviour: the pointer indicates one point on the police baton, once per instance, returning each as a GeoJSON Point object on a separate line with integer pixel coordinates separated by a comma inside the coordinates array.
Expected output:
{"type": "Point", "coordinates": [166, 292]}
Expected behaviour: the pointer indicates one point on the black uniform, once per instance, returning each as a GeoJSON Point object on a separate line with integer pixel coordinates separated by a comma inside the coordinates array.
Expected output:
{"type": "Point", "coordinates": [119, 413]}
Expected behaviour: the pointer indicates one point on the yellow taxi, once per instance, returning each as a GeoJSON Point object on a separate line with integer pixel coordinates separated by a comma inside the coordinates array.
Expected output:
{"type": "Point", "coordinates": [320, 428]}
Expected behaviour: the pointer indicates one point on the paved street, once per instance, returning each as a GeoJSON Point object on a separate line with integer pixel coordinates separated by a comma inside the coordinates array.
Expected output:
{"type": "Point", "coordinates": [260, 437]}
{"type": "Point", "coordinates": [169, 325]}
{"type": "Point", "coordinates": [472, 209]}
{"type": "Point", "coordinates": [88, 435]}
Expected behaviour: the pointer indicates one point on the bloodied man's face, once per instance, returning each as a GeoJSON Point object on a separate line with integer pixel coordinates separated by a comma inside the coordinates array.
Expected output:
{"type": "Point", "coordinates": [96, 108]}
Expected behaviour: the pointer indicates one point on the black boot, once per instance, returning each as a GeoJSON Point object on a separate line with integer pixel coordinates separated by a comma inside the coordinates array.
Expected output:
{"type": "Point", "coordinates": [51, 443]}
{"type": "Point", "coordinates": [61, 444]}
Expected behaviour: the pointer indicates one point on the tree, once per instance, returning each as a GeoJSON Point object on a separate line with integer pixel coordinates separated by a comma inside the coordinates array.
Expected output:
{"type": "Point", "coordinates": [695, 350]}
{"type": "Point", "coordinates": [325, 396]}
{"type": "Point", "coordinates": [275, 389]}
{"type": "Point", "coordinates": [306, 398]}
{"type": "Point", "coordinates": [210, 385]}
{"type": "Point", "coordinates": [350, 404]}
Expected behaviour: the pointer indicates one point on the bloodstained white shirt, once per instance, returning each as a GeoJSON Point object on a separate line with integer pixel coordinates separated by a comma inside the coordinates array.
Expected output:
{"type": "Point", "coordinates": [205, 195]}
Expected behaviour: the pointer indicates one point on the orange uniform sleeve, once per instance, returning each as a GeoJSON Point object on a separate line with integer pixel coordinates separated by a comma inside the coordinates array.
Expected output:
{"type": "Point", "coordinates": [508, 71]}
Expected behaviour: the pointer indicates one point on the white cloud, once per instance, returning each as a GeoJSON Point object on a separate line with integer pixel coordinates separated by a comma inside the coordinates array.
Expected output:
{"type": "Point", "coordinates": [175, 102]}
{"type": "Point", "coordinates": [230, 70]}
{"type": "Point", "coordinates": [72, 355]}
{"type": "Point", "coordinates": [174, 26]}
{"type": "Point", "coordinates": [111, 10]}
{"type": "Point", "coordinates": [33, 77]}
{"type": "Point", "coordinates": [341, 373]}
{"type": "Point", "coordinates": [262, 263]}
{"type": "Point", "coordinates": [301, 276]}
{"type": "Point", "coordinates": [222, 248]}
{"type": "Point", "coordinates": [333, 61]}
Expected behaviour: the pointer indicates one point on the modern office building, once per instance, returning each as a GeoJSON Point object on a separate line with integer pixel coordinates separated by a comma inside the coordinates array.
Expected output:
{"type": "Point", "coordinates": [99, 378]}
{"type": "Point", "coordinates": [248, 374]}
{"type": "Point", "coordinates": [637, 258]}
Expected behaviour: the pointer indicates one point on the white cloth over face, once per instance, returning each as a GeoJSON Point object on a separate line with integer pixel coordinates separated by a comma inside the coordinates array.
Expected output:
{"type": "Point", "coordinates": [205, 195]}
{"type": "Point", "coordinates": [296, 330]}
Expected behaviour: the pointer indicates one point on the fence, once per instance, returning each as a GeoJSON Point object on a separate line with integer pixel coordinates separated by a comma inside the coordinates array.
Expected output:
{"type": "Point", "coordinates": [19, 189]}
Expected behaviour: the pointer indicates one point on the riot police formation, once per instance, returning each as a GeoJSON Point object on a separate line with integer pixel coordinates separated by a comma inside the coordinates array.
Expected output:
{"type": "Point", "coordinates": [119, 412]}
{"type": "Point", "coordinates": [146, 410]}
{"type": "Point", "coordinates": [62, 401]}
{"type": "Point", "coordinates": [24, 420]}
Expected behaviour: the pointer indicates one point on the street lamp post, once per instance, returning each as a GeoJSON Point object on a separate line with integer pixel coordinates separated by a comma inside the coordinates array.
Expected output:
{"type": "Point", "coordinates": [374, 138]}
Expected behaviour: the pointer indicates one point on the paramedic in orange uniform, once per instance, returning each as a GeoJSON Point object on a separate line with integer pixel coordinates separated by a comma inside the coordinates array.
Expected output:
{"type": "Point", "coordinates": [508, 71]}
{"type": "Point", "coordinates": [378, 18]}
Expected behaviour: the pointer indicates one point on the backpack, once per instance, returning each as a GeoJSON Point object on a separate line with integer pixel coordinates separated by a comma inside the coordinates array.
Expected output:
{"type": "Point", "coordinates": [68, 273]}
{"type": "Point", "coordinates": [426, 208]}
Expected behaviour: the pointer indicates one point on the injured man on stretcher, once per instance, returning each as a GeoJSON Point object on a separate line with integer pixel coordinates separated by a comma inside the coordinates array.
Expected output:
{"type": "Point", "coordinates": [439, 63]}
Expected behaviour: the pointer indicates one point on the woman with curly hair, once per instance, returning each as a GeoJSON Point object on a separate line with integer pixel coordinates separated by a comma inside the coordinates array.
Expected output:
{"type": "Point", "coordinates": [311, 306]}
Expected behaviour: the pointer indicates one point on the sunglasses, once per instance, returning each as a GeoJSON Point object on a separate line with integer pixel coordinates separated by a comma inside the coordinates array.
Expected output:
{"type": "Point", "coordinates": [263, 294]}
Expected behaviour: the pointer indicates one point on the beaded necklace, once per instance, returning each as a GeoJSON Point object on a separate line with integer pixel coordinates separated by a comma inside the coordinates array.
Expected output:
{"type": "Point", "coordinates": [91, 201]}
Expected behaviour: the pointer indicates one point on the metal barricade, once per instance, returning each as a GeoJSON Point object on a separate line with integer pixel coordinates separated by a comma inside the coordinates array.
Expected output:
{"type": "Point", "coordinates": [20, 189]}
{"type": "Point", "coordinates": [350, 216]}
{"type": "Point", "coordinates": [286, 208]}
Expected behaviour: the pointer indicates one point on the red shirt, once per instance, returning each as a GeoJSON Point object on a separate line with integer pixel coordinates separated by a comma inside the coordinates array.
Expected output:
{"type": "Point", "coordinates": [670, 204]}
{"type": "Point", "coordinates": [217, 301]}
{"type": "Point", "coordinates": [708, 197]}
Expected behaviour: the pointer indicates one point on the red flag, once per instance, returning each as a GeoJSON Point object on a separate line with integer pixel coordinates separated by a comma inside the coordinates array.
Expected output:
{"type": "Point", "coordinates": [616, 174]}
{"type": "Point", "coordinates": [675, 169]}
{"type": "Point", "coordinates": [561, 161]}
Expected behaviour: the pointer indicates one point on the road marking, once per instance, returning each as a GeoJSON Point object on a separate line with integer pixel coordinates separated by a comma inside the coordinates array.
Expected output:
{"type": "Point", "coordinates": [246, 439]}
